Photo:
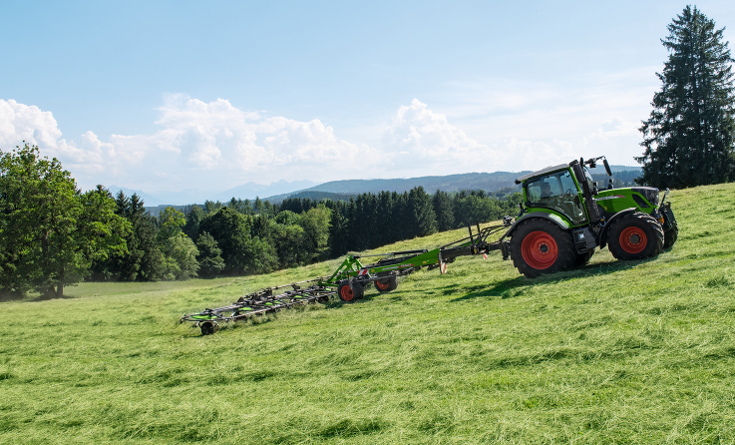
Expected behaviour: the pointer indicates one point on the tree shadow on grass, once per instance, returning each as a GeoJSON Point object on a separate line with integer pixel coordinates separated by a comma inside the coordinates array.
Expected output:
{"type": "Point", "coordinates": [49, 297]}
{"type": "Point", "coordinates": [10, 296]}
{"type": "Point", "coordinates": [517, 286]}
{"type": "Point", "coordinates": [26, 298]}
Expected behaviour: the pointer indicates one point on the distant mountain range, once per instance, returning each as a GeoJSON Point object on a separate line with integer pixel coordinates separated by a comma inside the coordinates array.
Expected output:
{"type": "Point", "coordinates": [278, 191]}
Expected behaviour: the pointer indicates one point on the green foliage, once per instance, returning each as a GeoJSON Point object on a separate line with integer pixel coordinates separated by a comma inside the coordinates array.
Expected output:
{"type": "Point", "coordinates": [472, 209]}
{"type": "Point", "coordinates": [262, 257]}
{"type": "Point", "coordinates": [241, 206]}
{"type": "Point", "coordinates": [170, 223]}
{"type": "Point", "coordinates": [180, 258]}
{"type": "Point", "coordinates": [288, 241]}
{"type": "Point", "coordinates": [287, 217]}
{"type": "Point", "coordinates": [143, 260]}
{"type": "Point", "coordinates": [479, 355]}
{"type": "Point", "coordinates": [193, 219]}
{"type": "Point", "coordinates": [444, 211]}
{"type": "Point", "coordinates": [50, 231]}
{"type": "Point", "coordinates": [210, 259]}
{"type": "Point", "coordinates": [421, 218]}
{"type": "Point", "coordinates": [242, 253]}
{"type": "Point", "coordinates": [231, 230]}
{"type": "Point", "coordinates": [690, 134]}
{"type": "Point", "coordinates": [315, 224]}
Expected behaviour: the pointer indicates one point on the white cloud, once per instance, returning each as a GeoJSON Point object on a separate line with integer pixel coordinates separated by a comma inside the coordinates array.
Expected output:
{"type": "Point", "coordinates": [421, 142]}
{"type": "Point", "coordinates": [203, 145]}
{"type": "Point", "coordinates": [215, 146]}
{"type": "Point", "coordinates": [426, 136]}
{"type": "Point", "coordinates": [20, 122]}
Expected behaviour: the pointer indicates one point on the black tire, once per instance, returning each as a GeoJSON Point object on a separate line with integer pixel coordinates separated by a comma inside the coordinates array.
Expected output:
{"type": "Point", "coordinates": [635, 236]}
{"type": "Point", "coordinates": [386, 284]}
{"type": "Point", "coordinates": [207, 328]}
{"type": "Point", "coordinates": [670, 237]}
{"type": "Point", "coordinates": [350, 294]}
{"type": "Point", "coordinates": [583, 258]}
{"type": "Point", "coordinates": [539, 246]}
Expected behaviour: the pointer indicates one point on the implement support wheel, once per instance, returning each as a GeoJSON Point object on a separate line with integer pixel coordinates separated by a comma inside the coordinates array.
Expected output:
{"type": "Point", "coordinates": [386, 284]}
{"type": "Point", "coordinates": [350, 294]}
{"type": "Point", "coordinates": [207, 328]}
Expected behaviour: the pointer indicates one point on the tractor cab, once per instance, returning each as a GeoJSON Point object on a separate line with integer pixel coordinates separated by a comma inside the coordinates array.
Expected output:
{"type": "Point", "coordinates": [565, 190]}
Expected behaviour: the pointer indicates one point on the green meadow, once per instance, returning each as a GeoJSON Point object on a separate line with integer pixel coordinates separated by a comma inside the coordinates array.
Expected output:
{"type": "Point", "coordinates": [640, 352]}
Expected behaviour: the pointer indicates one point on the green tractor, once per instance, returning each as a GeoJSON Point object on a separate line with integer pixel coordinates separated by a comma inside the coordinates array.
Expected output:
{"type": "Point", "coordinates": [565, 217]}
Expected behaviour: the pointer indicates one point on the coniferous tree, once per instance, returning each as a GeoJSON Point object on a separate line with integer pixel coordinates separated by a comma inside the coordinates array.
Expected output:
{"type": "Point", "coordinates": [338, 230]}
{"type": "Point", "coordinates": [195, 216]}
{"type": "Point", "coordinates": [143, 260]}
{"type": "Point", "coordinates": [443, 210]}
{"type": "Point", "coordinates": [689, 136]}
{"type": "Point", "coordinates": [421, 217]}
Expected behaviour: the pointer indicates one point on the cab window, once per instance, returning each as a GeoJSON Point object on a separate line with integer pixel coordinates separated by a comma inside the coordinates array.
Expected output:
{"type": "Point", "coordinates": [557, 191]}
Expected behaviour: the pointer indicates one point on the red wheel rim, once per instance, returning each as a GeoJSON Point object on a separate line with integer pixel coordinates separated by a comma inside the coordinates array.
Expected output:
{"type": "Point", "coordinates": [633, 239]}
{"type": "Point", "coordinates": [539, 250]}
{"type": "Point", "coordinates": [347, 293]}
{"type": "Point", "coordinates": [382, 286]}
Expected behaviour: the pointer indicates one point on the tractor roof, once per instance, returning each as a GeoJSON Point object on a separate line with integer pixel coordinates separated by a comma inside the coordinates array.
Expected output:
{"type": "Point", "coordinates": [542, 172]}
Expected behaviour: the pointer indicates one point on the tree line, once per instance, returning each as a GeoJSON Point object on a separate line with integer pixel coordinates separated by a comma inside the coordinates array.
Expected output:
{"type": "Point", "coordinates": [53, 235]}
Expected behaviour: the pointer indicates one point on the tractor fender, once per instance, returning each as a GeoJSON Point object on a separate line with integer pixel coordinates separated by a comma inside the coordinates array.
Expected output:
{"type": "Point", "coordinates": [603, 233]}
{"type": "Point", "coordinates": [551, 217]}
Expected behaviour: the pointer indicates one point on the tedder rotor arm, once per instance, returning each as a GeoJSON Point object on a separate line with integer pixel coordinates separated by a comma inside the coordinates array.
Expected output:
{"type": "Point", "coordinates": [351, 272]}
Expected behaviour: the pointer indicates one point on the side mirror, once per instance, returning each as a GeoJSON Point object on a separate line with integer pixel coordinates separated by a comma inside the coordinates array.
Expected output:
{"type": "Point", "coordinates": [607, 167]}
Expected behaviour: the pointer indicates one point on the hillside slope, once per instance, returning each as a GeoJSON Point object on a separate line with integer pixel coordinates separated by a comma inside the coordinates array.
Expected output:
{"type": "Point", "coordinates": [614, 352]}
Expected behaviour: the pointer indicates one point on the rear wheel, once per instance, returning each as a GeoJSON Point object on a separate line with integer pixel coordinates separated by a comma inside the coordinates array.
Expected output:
{"type": "Point", "coordinates": [350, 294]}
{"type": "Point", "coordinates": [386, 284]}
{"type": "Point", "coordinates": [539, 247]}
{"type": "Point", "coordinates": [635, 236]}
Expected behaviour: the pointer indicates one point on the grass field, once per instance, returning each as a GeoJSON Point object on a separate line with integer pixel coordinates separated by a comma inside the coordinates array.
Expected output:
{"type": "Point", "coordinates": [614, 352]}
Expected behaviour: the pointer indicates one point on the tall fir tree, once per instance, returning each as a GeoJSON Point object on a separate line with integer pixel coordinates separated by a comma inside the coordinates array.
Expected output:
{"type": "Point", "coordinates": [421, 216]}
{"type": "Point", "coordinates": [444, 211]}
{"type": "Point", "coordinates": [689, 136]}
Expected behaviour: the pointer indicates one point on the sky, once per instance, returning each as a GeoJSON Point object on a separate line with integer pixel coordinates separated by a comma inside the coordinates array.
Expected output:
{"type": "Point", "coordinates": [172, 95]}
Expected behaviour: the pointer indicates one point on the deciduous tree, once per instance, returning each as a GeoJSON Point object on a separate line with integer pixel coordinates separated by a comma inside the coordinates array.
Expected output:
{"type": "Point", "coordinates": [50, 232]}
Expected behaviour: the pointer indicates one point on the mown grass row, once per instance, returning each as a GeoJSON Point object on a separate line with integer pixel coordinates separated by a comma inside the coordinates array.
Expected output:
{"type": "Point", "coordinates": [611, 353]}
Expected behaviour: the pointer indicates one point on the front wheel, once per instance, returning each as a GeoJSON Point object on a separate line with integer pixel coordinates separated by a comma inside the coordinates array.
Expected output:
{"type": "Point", "coordinates": [539, 247]}
{"type": "Point", "coordinates": [635, 236]}
{"type": "Point", "coordinates": [670, 237]}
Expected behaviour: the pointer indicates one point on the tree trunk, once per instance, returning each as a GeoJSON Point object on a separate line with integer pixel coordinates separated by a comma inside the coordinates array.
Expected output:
{"type": "Point", "coordinates": [60, 286]}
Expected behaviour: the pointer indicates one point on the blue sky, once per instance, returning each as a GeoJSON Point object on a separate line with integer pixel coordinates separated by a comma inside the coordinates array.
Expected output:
{"type": "Point", "coordinates": [171, 95]}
